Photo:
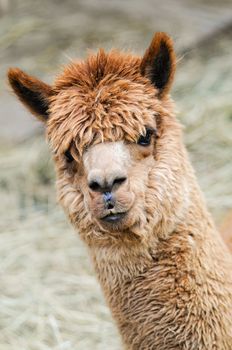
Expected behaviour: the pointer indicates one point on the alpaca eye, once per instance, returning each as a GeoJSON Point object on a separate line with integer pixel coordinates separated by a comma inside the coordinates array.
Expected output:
{"type": "Point", "coordinates": [145, 140]}
{"type": "Point", "coordinates": [68, 156]}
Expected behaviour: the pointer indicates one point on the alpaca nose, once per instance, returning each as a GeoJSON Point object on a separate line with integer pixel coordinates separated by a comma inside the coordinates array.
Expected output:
{"type": "Point", "coordinates": [107, 183]}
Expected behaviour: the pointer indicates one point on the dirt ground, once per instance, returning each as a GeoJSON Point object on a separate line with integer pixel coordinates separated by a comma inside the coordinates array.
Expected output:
{"type": "Point", "coordinates": [49, 297]}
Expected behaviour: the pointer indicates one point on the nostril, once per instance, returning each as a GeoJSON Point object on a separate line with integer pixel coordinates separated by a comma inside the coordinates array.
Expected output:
{"type": "Point", "coordinates": [110, 205]}
{"type": "Point", "coordinates": [119, 180]}
{"type": "Point", "coordinates": [94, 186]}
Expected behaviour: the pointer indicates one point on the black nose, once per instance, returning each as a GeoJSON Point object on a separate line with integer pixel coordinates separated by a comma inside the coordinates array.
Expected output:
{"type": "Point", "coordinates": [109, 200]}
{"type": "Point", "coordinates": [107, 186]}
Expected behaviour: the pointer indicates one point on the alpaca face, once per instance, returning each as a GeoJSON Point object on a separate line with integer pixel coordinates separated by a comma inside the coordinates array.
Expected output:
{"type": "Point", "coordinates": [110, 181]}
{"type": "Point", "coordinates": [113, 183]}
{"type": "Point", "coordinates": [110, 127]}
{"type": "Point", "coordinates": [103, 177]}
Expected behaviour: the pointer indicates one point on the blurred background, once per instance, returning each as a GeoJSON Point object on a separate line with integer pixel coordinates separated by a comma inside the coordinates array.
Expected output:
{"type": "Point", "coordinates": [49, 297]}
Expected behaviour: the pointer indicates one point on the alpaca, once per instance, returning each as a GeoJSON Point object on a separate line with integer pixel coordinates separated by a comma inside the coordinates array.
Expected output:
{"type": "Point", "coordinates": [126, 183]}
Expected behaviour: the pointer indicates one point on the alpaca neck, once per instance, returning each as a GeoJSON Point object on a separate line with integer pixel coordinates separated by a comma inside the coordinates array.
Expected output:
{"type": "Point", "coordinates": [150, 287]}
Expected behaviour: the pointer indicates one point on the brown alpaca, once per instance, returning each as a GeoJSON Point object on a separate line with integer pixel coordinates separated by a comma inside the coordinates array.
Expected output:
{"type": "Point", "coordinates": [126, 183]}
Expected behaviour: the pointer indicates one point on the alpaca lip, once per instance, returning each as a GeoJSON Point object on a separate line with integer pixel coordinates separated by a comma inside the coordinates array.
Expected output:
{"type": "Point", "coordinates": [113, 218]}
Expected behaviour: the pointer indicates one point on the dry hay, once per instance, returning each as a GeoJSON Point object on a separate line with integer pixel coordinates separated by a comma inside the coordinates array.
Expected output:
{"type": "Point", "coordinates": [203, 94]}
{"type": "Point", "coordinates": [49, 298]}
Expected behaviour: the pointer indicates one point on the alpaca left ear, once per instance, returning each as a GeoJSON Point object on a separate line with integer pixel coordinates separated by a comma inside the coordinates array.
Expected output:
{"type": "Point", "coordinates": [32, 92]}
{"type": "Point", "coordinates": [159, 63]}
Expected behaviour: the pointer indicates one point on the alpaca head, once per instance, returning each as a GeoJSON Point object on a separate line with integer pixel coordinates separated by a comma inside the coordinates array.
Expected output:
{"type": "Point", "coordinates": [116, 144]}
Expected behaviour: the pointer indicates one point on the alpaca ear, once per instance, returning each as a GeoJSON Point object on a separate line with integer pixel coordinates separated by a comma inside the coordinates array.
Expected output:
{"type": "Point", "coordinates": [159, 63]}
{"type": "Point", "coordinates": [32, 92]}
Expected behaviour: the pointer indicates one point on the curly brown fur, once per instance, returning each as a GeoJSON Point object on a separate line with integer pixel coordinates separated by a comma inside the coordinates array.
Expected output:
{"type": "Point", "coordinates": [163, 267]}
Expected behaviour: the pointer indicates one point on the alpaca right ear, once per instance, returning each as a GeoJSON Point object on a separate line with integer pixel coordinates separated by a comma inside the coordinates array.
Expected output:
{"type": "Point", "coordinates": [159, 62]}
{"type": "Point", "coordinates": [32, 92]}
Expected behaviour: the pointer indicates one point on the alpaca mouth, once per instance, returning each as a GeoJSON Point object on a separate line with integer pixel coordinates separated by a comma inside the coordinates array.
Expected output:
{"type": "Point", "coordinates": [113, 217]}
